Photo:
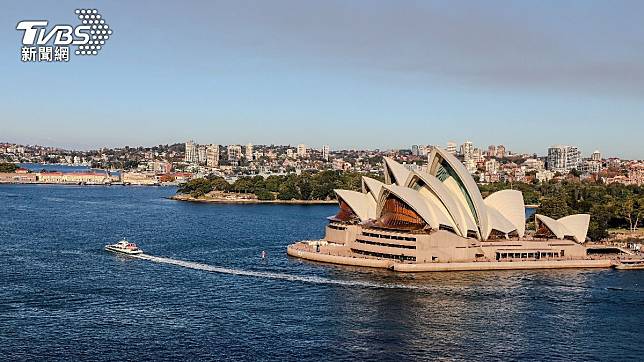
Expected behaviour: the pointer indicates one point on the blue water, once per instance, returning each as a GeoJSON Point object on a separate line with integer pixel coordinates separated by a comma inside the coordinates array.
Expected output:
{"type": "Point", "coordinates": [63, 298]}
{"type": "Point", "coordinates": [529, 212]}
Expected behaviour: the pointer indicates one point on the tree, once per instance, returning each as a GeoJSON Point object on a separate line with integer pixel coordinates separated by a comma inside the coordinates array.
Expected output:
{"type": "Point", "coordinates": [631, 209]}
{"type": "Point", "coordinates": [554, 207]}
{"type": "Point", "coordinates": [220, 184]}
{"type": "Point", "coordinates": [263, 194]}
{"type": "Point", "coordinates": [196, 188]}
{"type": "Point", "coordinates": [598, 227]}
{"type": "Point", "coordinates": [288, 191]}
{"type": "Point", "coordinates": [8, 167]}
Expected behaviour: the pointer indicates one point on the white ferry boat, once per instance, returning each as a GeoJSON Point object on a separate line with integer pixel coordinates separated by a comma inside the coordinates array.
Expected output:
{"type": "Point", "coordinates": [630, 264]}
{"type": "Point", "coordinates": [124, 247]}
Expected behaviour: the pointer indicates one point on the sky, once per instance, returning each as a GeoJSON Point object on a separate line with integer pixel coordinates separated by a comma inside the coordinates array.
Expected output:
{"type": "Point", "coordinates": [351, 74]}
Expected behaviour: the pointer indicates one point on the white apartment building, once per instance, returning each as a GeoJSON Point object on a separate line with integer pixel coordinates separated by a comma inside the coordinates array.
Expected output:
{"type": "Point", "coordinates": [451, 147]}
{"type": "Point", "coordinates": [212, 156]}
{"type": "Point", "coordinates": [234, 152]}
{"type": "Point", "coordinates": [492, 166]}
{"type": "Point", "coordinates": [249, 152]}
{"type": "Point", "coordinates": [302, 151]}
{"type": "Point", "coordinates": [563, 158]}
{"type": "Point", "coordinates": [326, 151]}
{"type": "Point", "coordinates": [201, 154]}
{"type": "Point", "coordinates": [191, 152]}
{"type": "Point", "coordinates": [467, 150]}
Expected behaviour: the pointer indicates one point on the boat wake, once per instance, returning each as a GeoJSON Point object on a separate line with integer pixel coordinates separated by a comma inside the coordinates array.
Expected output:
{"type": "Point", "coordinates": [272, 275]}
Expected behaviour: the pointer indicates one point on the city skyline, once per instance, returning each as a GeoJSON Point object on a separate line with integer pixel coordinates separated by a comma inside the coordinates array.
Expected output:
{"type": "Point", "coordinates": [451, 145]}
{"type": "Point", "coordinates": [287, 72]}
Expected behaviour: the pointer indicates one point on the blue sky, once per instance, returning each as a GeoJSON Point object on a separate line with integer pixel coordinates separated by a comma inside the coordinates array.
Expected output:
{"type": "Point", "coordinates": [352, 74]}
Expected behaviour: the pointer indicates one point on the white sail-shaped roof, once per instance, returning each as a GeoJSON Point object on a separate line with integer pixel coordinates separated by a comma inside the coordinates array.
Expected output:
{"type": "Point", "coordinates": [455, 176]}
{"type": "Point", "coordinates": [363, 205]}
{"type": "Point", "coordinates": [499, 222]}
{"type": "Point", "coordinates": [373, 186]}
{"type": "Point", "coordinates": [575, 226]}
{"type": "Point", "coordinates": [430, 212]}
{"type": "Point", "coordinates": [511, 205]}
{"type": "Point", "coordinates": [460, 217]}
{"type": "Point", "coordinates": [396, 171]}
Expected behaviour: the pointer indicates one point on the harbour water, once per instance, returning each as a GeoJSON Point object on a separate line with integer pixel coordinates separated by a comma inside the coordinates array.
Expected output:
{"type": "Point", "coordinates": [204, 293]}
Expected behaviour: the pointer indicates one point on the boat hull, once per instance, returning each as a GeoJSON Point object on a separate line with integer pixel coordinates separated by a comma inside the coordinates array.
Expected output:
{"type": "Point", "coordinates": [629, 267]}
{"type": "Point", "coordinates": [123, 251]}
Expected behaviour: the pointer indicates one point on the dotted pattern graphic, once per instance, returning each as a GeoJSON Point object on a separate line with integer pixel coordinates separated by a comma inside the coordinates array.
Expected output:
{"type": "Point", "coordinates": [100, 31]}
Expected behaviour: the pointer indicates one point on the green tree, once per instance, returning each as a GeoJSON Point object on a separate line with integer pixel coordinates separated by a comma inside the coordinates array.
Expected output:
{"type": "Point", "coordinates": [263, 194]}
{"type": "Point", "coordinates": [220, 184]}
{"type": "Point", "coordinates": [554, 207]}
{"type": "Point", "coordinates": [631, 209]}
{"type": "Point", "coordinates": [288, 191]}
{"type": "Point", "coordinates": [196, 188]}
{"type": "Point", "coordinates": [598, 227]}
{"type": "Point", "coordinates": [8, 167]}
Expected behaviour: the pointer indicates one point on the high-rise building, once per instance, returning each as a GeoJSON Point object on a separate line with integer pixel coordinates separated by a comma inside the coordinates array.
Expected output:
{"type": "Point", "coordinates": [500, 151]}
{"type": "Point", "coordinates": [478, 155]}
{"type": "Point", "coordinates": [201, 154]}
{"type": "Point", "coordinates": [302, 150]}
{"type": "Point", "coordinates": [491, 151]}
{"type": "Point", "coordinates": [467, 150]}
{"type": "Point", "coordinates": [424, 150]}
{"type": "Point", "coordinates": [563, 158]}
{"type": "Point", "coordinates": [249, 152]}
{"type": "Point", "coordinates": [191, 152]}
{"type": "Point", "coordinates": [212, 156]}
{"type": "Point", "coordinates": [451, 147]}
{"type": "Point", "coordinates": [596, 156]}
{"type": "Point", "coordinates": [326, 150]}
{"type": "Point", "coordinates": [414, 150]}
{"type": "Point", "coordinates": [234, 152]}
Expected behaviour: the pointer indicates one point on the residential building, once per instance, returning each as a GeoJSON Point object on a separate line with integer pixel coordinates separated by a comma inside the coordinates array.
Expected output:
{"type": "Point", "coordinates": [249, 152]}
{"type": "Point", "coordinates": [326, 151]}
{"type": "Point", "coordinates": [563, 158]}
{"type": "Point", "coordinates": [191, 152]}
{"type": "Point", "coordinates": [234, 152]}
{"type": "Point", "coordinates": [500, 151]}
{"type": "Point", "coordinates": [491, 166]}
{"type": "Point", "coordinates": [451, 147]}
{"type": "Point", "coordinates": [201, 155]}
{"type": "Point", "coordinates": [212, 156]}
{"type": "Point", "coordinates": [491, 151]}
{"type": "Point", "coordinates": [302, 151]}
{"type": "Point", "coordinates": [467, 150]}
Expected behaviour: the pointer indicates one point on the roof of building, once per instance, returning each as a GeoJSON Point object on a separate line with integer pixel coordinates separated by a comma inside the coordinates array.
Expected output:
{"type": "Point", "coordinates": [575, 226]}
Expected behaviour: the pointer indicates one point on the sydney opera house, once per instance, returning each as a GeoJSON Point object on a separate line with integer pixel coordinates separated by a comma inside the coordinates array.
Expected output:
{"type": "Point", "coordinates": [438, 220]}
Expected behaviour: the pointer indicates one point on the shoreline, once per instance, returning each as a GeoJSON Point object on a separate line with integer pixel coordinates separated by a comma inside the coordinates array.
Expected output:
{"type": "Point", "coordinates": [84, 184]}
{"type": "Point", "coordinates": [186, 198]}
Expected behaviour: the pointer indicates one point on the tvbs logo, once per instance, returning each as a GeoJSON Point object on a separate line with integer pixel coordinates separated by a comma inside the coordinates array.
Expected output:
{"type": "Point", "coordinates": [46, 45]}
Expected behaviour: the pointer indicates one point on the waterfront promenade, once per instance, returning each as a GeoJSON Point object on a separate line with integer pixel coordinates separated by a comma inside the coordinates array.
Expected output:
{"type": "Point", "coordinates": [322, 251]}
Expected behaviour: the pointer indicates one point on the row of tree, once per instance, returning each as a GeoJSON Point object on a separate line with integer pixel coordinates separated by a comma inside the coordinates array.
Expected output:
{"type": "Point", "coordinates": [305, 186]}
